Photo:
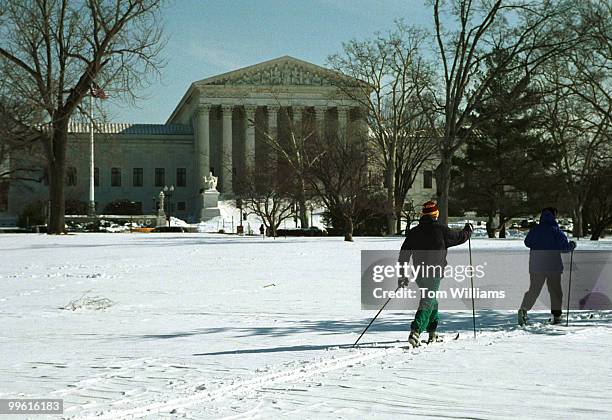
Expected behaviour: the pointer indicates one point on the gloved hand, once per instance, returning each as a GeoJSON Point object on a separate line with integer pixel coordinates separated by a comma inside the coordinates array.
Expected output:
{"type": "Point", "coordinates": [469, 227]}
{"type": "Point", "coordinates": [402, 282]}
{"type": "Point", "coordinates": [572, 245]}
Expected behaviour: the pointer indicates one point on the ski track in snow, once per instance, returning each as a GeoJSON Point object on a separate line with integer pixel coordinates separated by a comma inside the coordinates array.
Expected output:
{"type": "Point", "coordinates": [295, 373]}
{"type": "Point", "coordinates": [336, 364]}
{"type": "Point", "coordinates": [197, 331]}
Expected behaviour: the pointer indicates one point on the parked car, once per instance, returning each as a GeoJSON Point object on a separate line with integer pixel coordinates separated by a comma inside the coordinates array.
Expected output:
{"type": "Point", "coordinates": [311, 231]}
{"type": "Point", "coordinates": [115, 228]}
{"type": "Point", "coordinates": [144, 229]}
{"type": "Point", "coordinates": [169, 229]}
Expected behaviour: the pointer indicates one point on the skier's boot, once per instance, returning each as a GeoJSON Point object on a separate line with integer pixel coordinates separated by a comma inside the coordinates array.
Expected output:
{"type": "Point", "coordinates": [522, 317]}
{"type": "Point", "coordinates": [414, 339]}
{"type": "Point", "coordinates": [433, 337]}
{"type": "Point", "coordinates": [556, 320]}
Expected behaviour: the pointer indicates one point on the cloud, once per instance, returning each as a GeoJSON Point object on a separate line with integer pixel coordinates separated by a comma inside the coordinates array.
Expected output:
{"type": "Point", "coordinates": [218, 58]}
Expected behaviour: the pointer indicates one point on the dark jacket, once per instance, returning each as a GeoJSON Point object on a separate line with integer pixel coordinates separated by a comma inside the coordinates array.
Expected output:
{"type": "Point", "coordinates": [546, 241]}
{"type": "Point", "coordinates": [427, 242]}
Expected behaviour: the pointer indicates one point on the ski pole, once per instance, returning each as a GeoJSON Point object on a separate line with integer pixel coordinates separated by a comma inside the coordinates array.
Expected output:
{"type": "Point", "coordinates": [472, 284]}
{"type": "Point", "coordinates": [374, 319]}
{"type": "Point", "coordinates": [569, 288]}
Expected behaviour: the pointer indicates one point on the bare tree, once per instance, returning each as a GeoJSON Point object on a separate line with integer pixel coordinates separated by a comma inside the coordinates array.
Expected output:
{"type": "Point", "coordinates": [588, 69]}
{"type": "Point", "coordinates": [21, 157]}
{"type": "Point", "coordinates": [20, 150]}
{"type": "Point", "coordinates": [477, 30]}
{"type": "Point", "coordinates": [394, 75]}
{"type": "Point", "coordinates": [54, 51]}
{"type": "Point", "coordinates": [580, 136]}
{"type": "Point", "coordinates": [416, 148]}
{"type": "Point", "coordinates": [291, 151]}
{"type": "Point", "coordinates": [266, 195]}
{"type": "Point", "coordinates": [339, 175]}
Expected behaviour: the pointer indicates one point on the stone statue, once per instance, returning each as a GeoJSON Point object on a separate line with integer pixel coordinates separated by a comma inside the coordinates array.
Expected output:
{"type": "Point", "coordinates": [296, 76]}
{"type": "Point", "coordinates": [209, 182]}
{"type": "Point", "coordinates": [276, 76]}
{"type": "Point", "coordinates": [210, 198]}
{"type": "Point", "coordinates": [161, 202]}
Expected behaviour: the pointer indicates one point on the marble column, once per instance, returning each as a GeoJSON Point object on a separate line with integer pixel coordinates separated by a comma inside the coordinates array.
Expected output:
{"type": "Point", "coordinates": [202, 145]}
{"type": "Point", "coordinates": [298, 112]}
{"type": "Point", "coordinates": [320, 121]}
{"type": "Point", "coordinates": [249, 137]}
{"type": "Point", "coordinates": [363, 127]}
{"type": "Point", "coordinates": [342, 123]}
{"type": "Point", "coordinates": [273, 130]}
{"type": "Point", "coordinates": [227, 164]}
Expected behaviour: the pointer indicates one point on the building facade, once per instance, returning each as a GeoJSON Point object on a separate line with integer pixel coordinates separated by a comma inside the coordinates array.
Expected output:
{"type": "Point", "coordinates": [216, 127]}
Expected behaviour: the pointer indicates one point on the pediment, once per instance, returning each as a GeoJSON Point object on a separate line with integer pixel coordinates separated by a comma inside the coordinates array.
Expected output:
{"type": "Point", "coordinates": [283, 71]}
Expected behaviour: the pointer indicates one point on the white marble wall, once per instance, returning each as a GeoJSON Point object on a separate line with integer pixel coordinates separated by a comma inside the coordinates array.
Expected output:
{"type": "Point", "coordinates": [126, 152]}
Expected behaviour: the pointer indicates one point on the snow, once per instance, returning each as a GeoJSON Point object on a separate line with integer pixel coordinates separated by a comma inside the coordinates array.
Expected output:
{"type": "Point", "coordinates": [222, 326]}
{"type": "Point", "coordinates": [230, 219]}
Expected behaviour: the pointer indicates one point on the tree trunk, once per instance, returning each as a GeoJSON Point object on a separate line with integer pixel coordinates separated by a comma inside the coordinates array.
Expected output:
{"type": "Point", "coordinates": [57, 170]}
{"type": "Point", "coordinates": [391, 218]}
{"type": "Point", "coordinates": [596, 232]}
{"type": "Point", "coordinates": [302, 205]}
{"type": "Point", "coordinates": [502, 226]}
{"type": "Point", "coordinates": [348, 229]}
{"type": "Point", "coordinates": [577, 221]}
{"type": "Point", "coordinates": [490, 228]}
{"type": "Point", "coordinates": [443, 177]}
{"type": "Point", "coordinates": [398, 221]}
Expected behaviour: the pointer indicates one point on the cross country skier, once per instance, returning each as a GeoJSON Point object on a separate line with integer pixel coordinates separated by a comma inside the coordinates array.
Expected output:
{"type": "Point", "coordinates": [427, 243]}
{"type": "Point", "coordinates": [546, 241]}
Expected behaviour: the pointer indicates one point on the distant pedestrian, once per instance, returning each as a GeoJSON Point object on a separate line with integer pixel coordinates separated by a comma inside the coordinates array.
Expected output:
{"type": "Point", "coordinates": [262, 230]}
{"type": "Point", "coordinates": [546, 242]}
{"type": "Point", "coordinates": [427, 243]}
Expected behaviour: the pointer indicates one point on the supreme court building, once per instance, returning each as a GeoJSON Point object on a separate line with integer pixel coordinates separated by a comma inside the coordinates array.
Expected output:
{"type": "Point", "coordinates": [210, 130]}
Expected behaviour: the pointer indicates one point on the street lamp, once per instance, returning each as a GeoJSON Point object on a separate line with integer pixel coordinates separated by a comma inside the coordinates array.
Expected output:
{"type": "Point", "coordinates": [239, 205]}
{"type": "Point", "coordinates": [311, 216]}
{"type": "Point", "coordinates": [168, 193]}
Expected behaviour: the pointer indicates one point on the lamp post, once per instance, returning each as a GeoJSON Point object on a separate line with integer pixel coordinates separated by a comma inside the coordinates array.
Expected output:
{"type": "Point", "coordinates": [91, 208]}
{"type": "Point", "coordinates": [311, 216]}
{"type": "Point", "coordinates": [239, 205]}
{"type": "Point", "coordinates": [168, 193]}
{"type": "Point", "coordinates": [94, 92]}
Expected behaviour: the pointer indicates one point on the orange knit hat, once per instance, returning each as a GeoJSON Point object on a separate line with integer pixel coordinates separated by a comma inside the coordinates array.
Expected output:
{"type": "Point", "coordinates": [430, 208]}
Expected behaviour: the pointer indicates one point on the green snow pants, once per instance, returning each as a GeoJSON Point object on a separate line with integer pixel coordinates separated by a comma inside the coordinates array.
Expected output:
{"type": "Point", "coordinates": [426, 317]}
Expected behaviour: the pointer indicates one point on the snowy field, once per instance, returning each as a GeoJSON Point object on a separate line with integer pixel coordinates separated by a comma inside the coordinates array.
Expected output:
{"type": "Point", "coordinates": [213, 326]}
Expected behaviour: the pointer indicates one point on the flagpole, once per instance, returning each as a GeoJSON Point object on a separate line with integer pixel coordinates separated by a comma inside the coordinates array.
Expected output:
{"type": "Point", "coordinates": [92, 196]}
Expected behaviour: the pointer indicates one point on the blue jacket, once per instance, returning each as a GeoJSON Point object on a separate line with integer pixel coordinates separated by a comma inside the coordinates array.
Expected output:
{"type": "Point", "coordinates": [546, 241]}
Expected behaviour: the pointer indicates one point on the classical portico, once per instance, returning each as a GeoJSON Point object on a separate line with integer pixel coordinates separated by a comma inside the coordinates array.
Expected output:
{"type": "Point", "coordinates": [230, 112]}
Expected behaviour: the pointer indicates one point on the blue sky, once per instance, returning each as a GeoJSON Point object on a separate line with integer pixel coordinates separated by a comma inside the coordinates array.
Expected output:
{"type": "Point", "coordinates": [211, 37]}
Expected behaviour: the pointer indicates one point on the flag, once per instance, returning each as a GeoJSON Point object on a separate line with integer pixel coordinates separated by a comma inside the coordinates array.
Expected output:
{"type": "Point", "coordinates": [97, 92]}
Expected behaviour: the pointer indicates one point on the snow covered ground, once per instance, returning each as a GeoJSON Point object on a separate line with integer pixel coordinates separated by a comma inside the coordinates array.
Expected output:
{"type": "Point", "coordinates": [216, 326]}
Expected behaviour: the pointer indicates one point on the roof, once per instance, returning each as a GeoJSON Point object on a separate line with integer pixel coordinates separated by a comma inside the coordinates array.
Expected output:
{"type": "Point", "coordinates": [267, 73]}
{"type": "Point", "coordinates": [139, 129]}
{"type": "Point", "coordinates": [285, 59]}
